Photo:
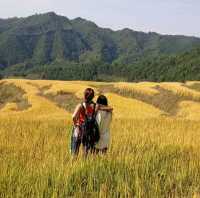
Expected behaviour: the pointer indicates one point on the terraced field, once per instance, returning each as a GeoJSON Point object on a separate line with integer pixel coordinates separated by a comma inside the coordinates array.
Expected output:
{"type": "Point", "coordinates": [154, 149]}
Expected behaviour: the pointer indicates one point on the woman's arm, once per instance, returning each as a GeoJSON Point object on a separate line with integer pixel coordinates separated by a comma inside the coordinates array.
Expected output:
{"type": "Point", "coordinates": [104, 108]}
{"type": "Point", "coordinates": [76, 113]}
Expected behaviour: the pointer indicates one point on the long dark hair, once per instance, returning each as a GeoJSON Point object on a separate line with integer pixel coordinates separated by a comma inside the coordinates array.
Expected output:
{"type": "Point", "coordinates": [102, 100]}
{"type": "Point", "coordinates": [88, 95]}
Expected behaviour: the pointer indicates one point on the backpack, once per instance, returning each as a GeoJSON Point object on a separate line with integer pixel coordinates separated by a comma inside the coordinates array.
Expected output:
{"type": "Point", "coordinates": [90, 129]}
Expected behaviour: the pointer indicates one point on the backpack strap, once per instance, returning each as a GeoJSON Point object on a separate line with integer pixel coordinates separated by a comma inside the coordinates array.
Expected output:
{"type": "Point", "coordinates": [82, 105]}
{"type": "Point", "coordinates": [94, 111]}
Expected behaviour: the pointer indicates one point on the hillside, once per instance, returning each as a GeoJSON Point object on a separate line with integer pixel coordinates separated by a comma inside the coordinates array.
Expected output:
{"type": "Point", "coordinates": [154, 147]}
{"type": "Point", "coordinates": [180, 67]}
{"type": "Point", "coordinates": [55, 47]}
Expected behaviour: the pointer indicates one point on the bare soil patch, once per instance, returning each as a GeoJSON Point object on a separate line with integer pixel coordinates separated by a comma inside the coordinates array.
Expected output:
{"type": "Point", "coordinates": [9, 93]}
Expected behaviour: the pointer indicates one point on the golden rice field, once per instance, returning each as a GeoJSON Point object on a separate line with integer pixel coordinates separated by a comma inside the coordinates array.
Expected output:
{"type": "Point", "coordinates": [154, 151]}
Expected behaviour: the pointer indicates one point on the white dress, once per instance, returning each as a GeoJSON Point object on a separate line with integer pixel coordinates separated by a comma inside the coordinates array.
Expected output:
{"type": "Point", "coordinates": [104, 119]}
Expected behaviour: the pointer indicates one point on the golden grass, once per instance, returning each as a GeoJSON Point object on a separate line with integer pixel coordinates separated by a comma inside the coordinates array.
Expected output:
{"type": "Point", "coordinates": [40, 107]}
{"type": "Point", "coordinates": [190, 83]}
{"type": "Point", "coordinates": [181, 90]}
{"type": "Point", "coordinates": [9, 107]}
{"type": "Point", "coordinates": [146, 88]}
{"type": "Point", "coordinates": [151, 155]}
{"type": "Point", "coordinates": [70, 87]}
{"type": "Point", "coordinates": [131, 108]}
{"type": "Point", "coordinates": [189, 110]}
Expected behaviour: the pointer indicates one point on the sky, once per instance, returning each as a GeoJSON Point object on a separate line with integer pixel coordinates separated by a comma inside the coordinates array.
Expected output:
{"type": "Point", "coordinates": [163, 16]}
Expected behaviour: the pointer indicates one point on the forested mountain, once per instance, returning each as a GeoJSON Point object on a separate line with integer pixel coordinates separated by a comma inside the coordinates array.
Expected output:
{"type": "Point", "coordinates": [54, 47]}
{"type": "Point", "coordinates": [181, 67]}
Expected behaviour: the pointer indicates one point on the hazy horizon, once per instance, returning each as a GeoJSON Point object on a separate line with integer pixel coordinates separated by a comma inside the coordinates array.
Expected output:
{"type": "Point", "coordinates": [178, 17]}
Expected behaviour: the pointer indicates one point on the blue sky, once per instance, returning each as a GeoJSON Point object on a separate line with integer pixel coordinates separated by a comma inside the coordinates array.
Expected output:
{"type": "Point", "coordinates": [162, 16]}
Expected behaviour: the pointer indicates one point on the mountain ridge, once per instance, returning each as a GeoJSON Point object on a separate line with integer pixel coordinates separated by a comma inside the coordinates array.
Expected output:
{"type": "Point", "coordinates": [50, 39]}
{"type": "Point", "coordinates": [77, 18]}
